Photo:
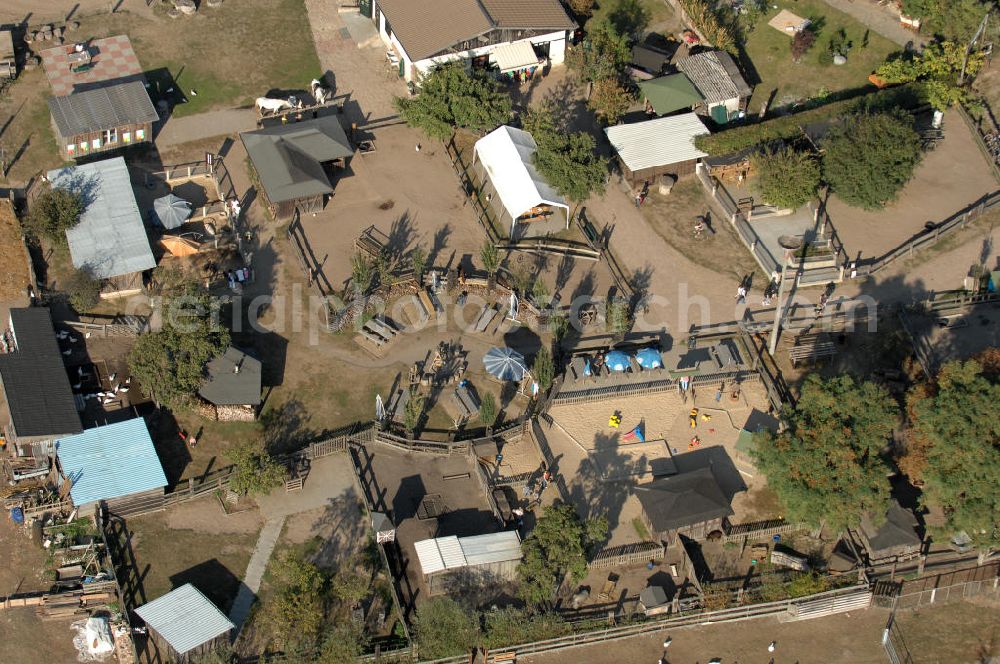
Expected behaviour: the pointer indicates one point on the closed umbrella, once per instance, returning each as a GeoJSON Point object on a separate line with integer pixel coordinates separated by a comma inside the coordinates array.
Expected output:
{"type": "Point", "coordinates": [649, 358]}
{"type": "Point", "coordinates": [171, 210]}
{"type": "Point", "coordinates": [505, 364]}
{"type": "Point", "coordinates": [616, 360]}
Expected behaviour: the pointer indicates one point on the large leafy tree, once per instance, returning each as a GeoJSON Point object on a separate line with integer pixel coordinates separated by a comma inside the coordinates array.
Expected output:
{"type": "Point", "coordinates": [787, 178]}
{"type": "Point", "coordinates": [170, 364]}
{"type": "Point", "coordinates": [54, 212]}
{"type": "Point", "coordinates": [955, 427]}
{"type": "Point", "coordinates": [255, 470]}
{"type": "Point", "coordinates": [556, 547]}
{"type": "Point", "coordinates": [567, 160]}
{"type": "Point", "coordinates": [296, 611]}
{"type": "Point", "coordinates": [827, 465]}
{"type": "Point", "coordinates": [870, 157]}
{"type": "Point", "coordinates": [603, 54]}
{"type": "Point", "coordinates": [444, 629]}
{"type": "Point", "coordinates": [939, 66]}
{"type": "Point", "coordinates": [450, 97]}
{"type": "Point", "coordinates": [610, 99]}
{"type": "Point", "coordinates": [952, 19]}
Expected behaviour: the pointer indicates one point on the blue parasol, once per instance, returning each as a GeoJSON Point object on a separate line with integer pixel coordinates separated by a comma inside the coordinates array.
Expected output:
{"type": "Point", "coordinates": [616, 360]}
{"type": "Point", "coordinates": [649, 358]}
{"type": "Point", "coordinates": [505, 364]}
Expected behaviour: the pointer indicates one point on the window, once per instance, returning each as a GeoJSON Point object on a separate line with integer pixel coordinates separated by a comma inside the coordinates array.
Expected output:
{"type": "Point", "coordinates": [71, 148]}
{"type": "Point", "coordinates": [96, 143]}
{"type": "Point", "coordinates": [111, 136]}
{"type": "Point", "coordinates": [140, 134]}
{"type": "Point", "coordinates": [83, 146]}
{"type": "Point", "coordinates": [126, 137]}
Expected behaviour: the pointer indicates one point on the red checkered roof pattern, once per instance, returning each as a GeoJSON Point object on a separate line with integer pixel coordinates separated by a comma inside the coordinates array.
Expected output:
{"type": "Point", "coordinates": [113, 60]}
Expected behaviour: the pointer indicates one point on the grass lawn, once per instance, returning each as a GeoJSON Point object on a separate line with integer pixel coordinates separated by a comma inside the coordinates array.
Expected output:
{"type": "Point", "coordinates": [25, 130]}
{"type": "Point", "coordinates": [657, 10]}
{"type": "Point", "coordinates": [770, 53]}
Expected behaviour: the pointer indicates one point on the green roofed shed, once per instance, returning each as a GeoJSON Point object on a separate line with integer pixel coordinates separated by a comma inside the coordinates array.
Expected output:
{"type": "Point", "coordinates": [667, 94]}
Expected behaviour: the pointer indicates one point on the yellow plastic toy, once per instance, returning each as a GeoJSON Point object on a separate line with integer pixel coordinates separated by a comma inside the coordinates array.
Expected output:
{"type": "Point", "coordinates": [615, 421]}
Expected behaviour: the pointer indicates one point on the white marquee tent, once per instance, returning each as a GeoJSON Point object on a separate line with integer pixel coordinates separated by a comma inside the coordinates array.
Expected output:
{"type": "Point", "coordinates": [505, 154]}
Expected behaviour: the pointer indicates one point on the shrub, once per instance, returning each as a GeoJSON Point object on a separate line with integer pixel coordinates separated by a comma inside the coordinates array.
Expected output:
{"type": "Point", "coordinates": [787, 179]}
{"type": "Point", "coordinates": [802, 42]}
{"type": "Point", "coordinates": [54, 212]}
{"type": "Point", "coordinates": [703, 15]}
{"type": "Point", "coordinates": [83, 290]}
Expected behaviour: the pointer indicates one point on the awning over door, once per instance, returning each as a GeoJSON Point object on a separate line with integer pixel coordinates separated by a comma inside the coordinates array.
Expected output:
{"type": "Point", "coordinates": [514, 56]}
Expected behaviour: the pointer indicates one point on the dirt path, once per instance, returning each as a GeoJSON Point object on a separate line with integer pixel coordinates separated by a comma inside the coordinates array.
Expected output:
{"type": "Point", "coordinates": [255, 571]}
{"type": "Point", "coordinates": [206, 125]}
{"type": "Point", "coordinates": [882, 20]}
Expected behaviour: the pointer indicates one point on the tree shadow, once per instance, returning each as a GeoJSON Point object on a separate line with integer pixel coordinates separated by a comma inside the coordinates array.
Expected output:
{"type": "Point", "coordinates": [438, 243]}
{"type": "Point", "coordinates": [401, 235]}
{"type": "Point", "coordinates": [213, 579]}
{"type": "Point", "coordinates": [287, 428]}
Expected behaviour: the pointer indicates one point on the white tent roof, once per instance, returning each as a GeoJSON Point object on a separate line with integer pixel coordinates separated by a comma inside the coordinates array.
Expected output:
{"type": "Point", "coordinates": [659, 142]}
{"type": "Point", "coordinates": [516, 55]}
{"type": "Point", "coordinates": [506, 155]}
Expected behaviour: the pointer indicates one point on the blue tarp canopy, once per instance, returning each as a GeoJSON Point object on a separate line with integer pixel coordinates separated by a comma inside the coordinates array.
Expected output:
{"type": "Point", "coordinates": [649, 358]}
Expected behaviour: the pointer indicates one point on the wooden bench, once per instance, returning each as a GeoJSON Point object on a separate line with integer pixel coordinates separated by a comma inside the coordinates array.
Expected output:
{"type": "Point", "coordinates": [504, 658]}
{"type": "Point", "coordinates": [425, 302]}
{"type": "Point", "coordinates": [380, 328]}
{"type": "Point", "coordinates": [608, 588]}
{"type": "Point", "coordinates": [485, 318]}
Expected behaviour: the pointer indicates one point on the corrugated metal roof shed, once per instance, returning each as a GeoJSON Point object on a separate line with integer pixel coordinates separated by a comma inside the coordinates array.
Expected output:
{"type": "Point", "coordinates": [440, 554]}
{"type": "Point", "coordinates": [716, 76]}
{"type": "Point", "coordinates": [102, 108]}
{"type": "Point", "coordinates": [112, 461]}
{"type": "Point", "coordinates": [492, 548]}
{"type": "Point", "coordinates": [110, 239]}
{"type": "Point", "coordinates": [185, 618]}
{"type": "Point", "coordinates": [659, 142]}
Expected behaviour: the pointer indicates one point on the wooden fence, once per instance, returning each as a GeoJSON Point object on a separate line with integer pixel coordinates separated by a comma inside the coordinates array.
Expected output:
{"type": "Point", "coordinates": [627, 554]}
{"type": "Point", "coordinates": [738, 532]}
{"type": "Point", "coordinates": [616, 390]}
{"type": "Point", "coordinates": [928, 238]}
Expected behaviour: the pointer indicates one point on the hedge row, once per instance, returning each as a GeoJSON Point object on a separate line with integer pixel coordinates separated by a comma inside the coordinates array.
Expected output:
{"type": "Point", "coordinates": [909, 96]}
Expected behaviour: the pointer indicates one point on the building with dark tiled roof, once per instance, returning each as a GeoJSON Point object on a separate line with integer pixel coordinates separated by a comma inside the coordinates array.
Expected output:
{"type": "Point", "coordinates": [511, 36]}
{"type": "Point", "coordinates": [720, 83]}
{"type": "Point", "coordinates": [103, 119]}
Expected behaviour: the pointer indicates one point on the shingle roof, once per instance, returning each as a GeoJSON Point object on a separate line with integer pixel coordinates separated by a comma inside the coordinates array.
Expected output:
{"type": "Point", "coordinates": [289, 158]}
{"type": "Point", "coordinates": [34, 378]}
{"type": "Point", "coordinates": [111, 461]}
{"type": "Point", "coordinates": [898, 529]}
{"type": "Point", "coordinates": [658, 142]}
{"type": "Point", "coordinates": [427, 27]}
{"type": "Point", "coordinates": [529, 14]}
{"type": "Point", "coordinates": [110, 239]}
{"type": "Point", "coordinates": [103, 108]}
{"type": "Point", "coordinates": [715, 75]}
{"type": "Point", "coordinates": [185, 618]}
{"type": "Point", "coordinates": [233, 379]}
{"type": "Point", "coordinates": [683, 500]}
{"type": "Point", "coordinates": [670, 93]}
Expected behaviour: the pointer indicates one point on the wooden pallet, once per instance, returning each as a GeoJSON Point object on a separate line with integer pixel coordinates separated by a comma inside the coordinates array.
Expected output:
{"type": "Point", "coordinates": [294, 484]}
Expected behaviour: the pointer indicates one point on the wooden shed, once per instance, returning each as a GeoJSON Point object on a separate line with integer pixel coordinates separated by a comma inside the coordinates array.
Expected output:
{"type": "Point", "coordinates": [691, 503]}
{"type": "Point", "coordinates": [101, 120]}
{"type": "Point", "coordinates": [184, 624]}
{"type": "Point", "coordinates": [894, 538]}
{"type": "Point", "coordinates": [652, 148]}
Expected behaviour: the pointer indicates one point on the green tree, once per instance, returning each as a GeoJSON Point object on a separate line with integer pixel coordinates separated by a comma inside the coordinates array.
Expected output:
{"type": "Point", "coordinates": [418, 259]}
{"type": "Point", "coordinates": [219, 655]}
{"type": "Point", "coordinates": [341, 645]}
{"type": "Point", "coordinates": [827, 465]}
{"type": "Point", "coordinates": [170, 363]}
{"type": "Point", "coordinates": [567, 160]}
{"type": "Point", "coordinates": [255, 470]}
{"type": "Point", "coordinates": [610, 99]}
{"type": "Point", "coordinates": [349, 587]}
{"type": "Point", "coordinates": [83, 291]}
{"type": "Point", "coordinates": [450, 97]}
{"type": "Point", "coordinates": [955, 419]}
{"type": "Point", "coordinates": [603, 54]}
{"type": "Point", "coordinates": [54, 212]}
{"type": "Point", "coordinates": [951, 19]}
{"type": "Point", "coordinates": [540, 293]}
{"type": "Point", "coordinates": [870, 157]}
{"type": "Point", "coordinates": [296, 611]}
{"type": "Point", "coordinates": [488, 410]}
{"type": "Point", "coordinates": [582, 7]}
{"type": "Point", "coordinates": [618, 317]}
{"type": "Point", "coordinates": [556, 547]}
{"type": "Point", "coordinates": [490, 256]}
{"type": "Point", "coordinates": [543, 368]}
{"type": "Point", "coordinates": [939, 66]}
{"type": "Point", "coordinates": [413, 410]}
{"type": "Point", "coordinates": [362, 273]}
{"type": "Point", "coordinates": [787, 178]}
{"type": "Point", "coordinates": [511, 625]}
{"type": "Point", "coordinates": [445, 629]}
{"type": "Point", "coordinates": [559, 326]}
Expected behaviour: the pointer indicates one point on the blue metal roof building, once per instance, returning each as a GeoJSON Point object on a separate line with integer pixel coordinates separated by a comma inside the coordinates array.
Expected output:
{"type": "Point", "coordinates": [111, 461]}
{"type": "Point", "coordinates": [187, 621]}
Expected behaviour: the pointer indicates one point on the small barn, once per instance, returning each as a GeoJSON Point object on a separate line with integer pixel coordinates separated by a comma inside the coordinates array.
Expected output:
{"type": "Point", "coordinates": [513, 189]}
{"type": "Point", "coordinates": [720, 83]}
{"type": "Point", "coordinates": [667, 94]}
{"type": "Point", "coordinates": [115, 464]}
{"type": "Point", "coordinates": [184, 624]}
{"type": "Point", "coordinates": [480, 559]}
{"type": "Point", "coordinates": [690, 503]}
{"type": "Point", "coordinates": [102, 119]}
{"type": "Point", "coordinates": [38, 398]}
{"type": "Point", "coordinates": [110, 240]}
{"type": "Point", "coordinates": [895, 538]}
{"type": "Point", "coordinates": [652, 148]}
{"type": "Point", "coordinates": [232, 387]}
{"type": "Point", "coordinates": [294, 163]}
